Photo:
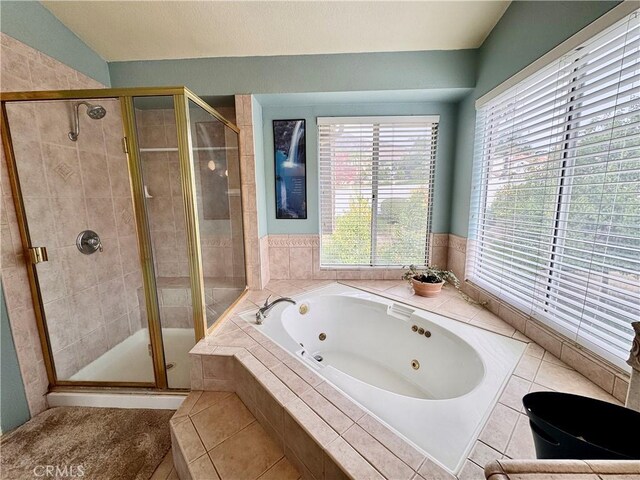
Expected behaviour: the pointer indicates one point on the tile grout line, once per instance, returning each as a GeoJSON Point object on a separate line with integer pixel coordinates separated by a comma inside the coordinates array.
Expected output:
{"type": "Point", "coordinates": [270, 467]}
{"type": "Point", "coordinates": [383, 445]}
{"type": "Point", "coordinates": [214, 466]}
{"type": "Point", "coordinates": [198, 433]}
{"type": "Point", "coordinates": [364, 457]}
{"type": "Point", "coordinates": [339, 435]}
{"type": "Point", "coordinates": [513, 430]}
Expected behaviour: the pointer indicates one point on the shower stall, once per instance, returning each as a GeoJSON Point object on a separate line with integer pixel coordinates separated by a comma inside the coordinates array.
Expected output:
{"type": "Point", "coordinates": [130, 215]}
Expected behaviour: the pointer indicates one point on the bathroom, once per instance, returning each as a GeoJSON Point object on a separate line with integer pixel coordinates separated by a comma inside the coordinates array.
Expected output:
{"type": "Point", "coordinates": [161, 190]}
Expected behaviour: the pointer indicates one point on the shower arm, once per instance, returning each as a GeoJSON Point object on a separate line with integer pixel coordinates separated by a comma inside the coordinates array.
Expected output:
{"type": "Point", "coordinates": [73, 134]}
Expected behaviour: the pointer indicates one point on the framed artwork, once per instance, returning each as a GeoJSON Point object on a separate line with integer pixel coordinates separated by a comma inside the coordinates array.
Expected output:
{"type": "Point", "coordinates": [290, 161]}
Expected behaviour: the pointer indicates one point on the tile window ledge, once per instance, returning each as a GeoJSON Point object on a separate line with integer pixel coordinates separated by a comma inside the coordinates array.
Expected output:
{"type": "Point", "coordinates": [607, 376]}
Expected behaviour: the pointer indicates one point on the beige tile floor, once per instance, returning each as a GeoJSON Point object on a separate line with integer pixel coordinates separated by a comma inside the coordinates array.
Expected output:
{"type": "Point", "coordinates": [165, 470]}
{"type": "Point", "coordinates": [232, 445]}
{"type": "Point", "coordinates": [506, 434]}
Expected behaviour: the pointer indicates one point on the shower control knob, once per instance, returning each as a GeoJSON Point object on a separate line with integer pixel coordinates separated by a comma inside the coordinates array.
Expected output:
{"type": "Point", "coordinates": [89, 242]}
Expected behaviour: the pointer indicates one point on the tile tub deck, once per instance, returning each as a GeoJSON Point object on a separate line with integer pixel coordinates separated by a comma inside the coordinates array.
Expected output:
{"type": "Point", "coordinates": [324, 434]}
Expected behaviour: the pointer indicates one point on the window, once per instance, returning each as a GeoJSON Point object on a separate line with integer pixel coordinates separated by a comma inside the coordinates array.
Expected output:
{"type": "Point", "coordinates": [555, 214]}
{"type": "Point", "coordinates": [376, 190]}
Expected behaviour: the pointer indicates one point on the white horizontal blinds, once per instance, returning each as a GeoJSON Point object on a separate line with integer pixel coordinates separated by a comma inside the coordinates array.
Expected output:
{"type": "Point", "coordinates": [376, 189]}
{"type": "Point", "coordinates": [598, 257]}
{"type": "Point", "coordinates": [345, 168]}
{"type": "Point", "coordinates": [555, 225]}
{"type": "Point", "coordinates": [514, 202]}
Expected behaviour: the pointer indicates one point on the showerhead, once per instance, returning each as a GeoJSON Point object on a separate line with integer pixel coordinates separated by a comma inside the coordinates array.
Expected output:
{"type": "Point", "coordinates": [95, 112]}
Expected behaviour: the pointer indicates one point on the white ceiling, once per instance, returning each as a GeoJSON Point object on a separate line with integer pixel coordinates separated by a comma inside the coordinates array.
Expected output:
{"type": "Point", "coordinates": [153, 30]}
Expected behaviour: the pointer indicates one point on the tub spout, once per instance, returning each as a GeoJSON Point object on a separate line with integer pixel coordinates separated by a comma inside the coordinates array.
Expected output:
{"type": "Point", "coordinates": [264, 310]}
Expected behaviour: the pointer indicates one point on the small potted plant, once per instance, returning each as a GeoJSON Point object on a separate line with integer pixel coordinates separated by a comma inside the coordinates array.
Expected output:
{"type": "Point", "coordinates": [429, 281]}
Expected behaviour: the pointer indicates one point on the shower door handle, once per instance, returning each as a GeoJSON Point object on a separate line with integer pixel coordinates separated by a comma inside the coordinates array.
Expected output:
{"type": "Point", "coordinates": [38, 255]}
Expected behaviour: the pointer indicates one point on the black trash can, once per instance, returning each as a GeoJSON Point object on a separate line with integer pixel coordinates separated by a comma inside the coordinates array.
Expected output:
{"type": "Point", "coordinates": [566, 426]}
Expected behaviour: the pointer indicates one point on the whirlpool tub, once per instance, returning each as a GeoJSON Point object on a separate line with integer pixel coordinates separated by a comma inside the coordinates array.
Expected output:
{"type": "Point", "coordinates": [431, 379]}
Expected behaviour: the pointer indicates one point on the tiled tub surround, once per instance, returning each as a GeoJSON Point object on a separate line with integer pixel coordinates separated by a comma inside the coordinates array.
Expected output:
{"type": "Point", "coordinates": [294, 257]}
{"type": "Point", "coordinates": [321, 429]}
{"type": "Point", "coordinates": [606, 376]}
{"type": "Point", "coordinates": [24, 69]}
{"type": "Point", "coordinates": [436, 390]}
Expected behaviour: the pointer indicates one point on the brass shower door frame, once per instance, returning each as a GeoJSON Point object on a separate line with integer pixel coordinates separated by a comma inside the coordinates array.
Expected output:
{"type": "Point", "coordinates": [181, 96]}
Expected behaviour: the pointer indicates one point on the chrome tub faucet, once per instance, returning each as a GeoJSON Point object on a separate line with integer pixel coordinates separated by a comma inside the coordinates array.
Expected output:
{"type": "Point", "coordinates": [264, 310]}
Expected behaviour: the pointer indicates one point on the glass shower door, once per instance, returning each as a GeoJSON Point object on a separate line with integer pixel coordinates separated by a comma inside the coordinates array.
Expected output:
{"type": "Point", "coordinates": [216, 162]}
{"type": "Point", "coordinates": [164, 197]}
{"type": "Point", "coordinates": [76, 195]}
{"type": "Point", "coordinates": [121, 282]}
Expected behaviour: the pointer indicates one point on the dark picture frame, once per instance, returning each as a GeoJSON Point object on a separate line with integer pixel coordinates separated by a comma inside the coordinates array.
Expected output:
{"type": "Point", "coordinates": [290, 168]}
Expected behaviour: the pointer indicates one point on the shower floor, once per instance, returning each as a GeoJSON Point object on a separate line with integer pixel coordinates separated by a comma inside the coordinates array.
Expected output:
{"type": "Point", "coordinates": [129, 361]}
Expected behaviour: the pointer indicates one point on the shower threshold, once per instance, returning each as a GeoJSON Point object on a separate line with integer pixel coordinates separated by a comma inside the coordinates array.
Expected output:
{"type": "Point", "coordinates": [129, 361]}
{"type": "Point", "coordinates": [132, 399]}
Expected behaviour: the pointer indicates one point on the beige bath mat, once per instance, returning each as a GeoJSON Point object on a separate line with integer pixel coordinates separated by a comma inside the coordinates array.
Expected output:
{"type": "Point", "coordinates": [89, 443]}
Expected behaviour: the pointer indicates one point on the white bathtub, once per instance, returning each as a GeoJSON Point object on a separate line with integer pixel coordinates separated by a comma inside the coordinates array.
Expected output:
{"type": "Point", "coordinates": [370, 351]}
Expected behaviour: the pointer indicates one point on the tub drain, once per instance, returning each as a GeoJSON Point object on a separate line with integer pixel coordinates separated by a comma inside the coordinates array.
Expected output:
{"type": "Point", "coordinates": [318, 358]}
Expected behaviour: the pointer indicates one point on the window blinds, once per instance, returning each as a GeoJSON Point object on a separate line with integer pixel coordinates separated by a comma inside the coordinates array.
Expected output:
{"type": "Point", "coordinates": [376, 189]}
{"type": "Point", "coordinates": [555, 214]}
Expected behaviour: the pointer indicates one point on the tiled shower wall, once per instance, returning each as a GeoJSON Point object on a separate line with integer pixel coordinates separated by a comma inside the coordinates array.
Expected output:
{"type": "Point", "coordinates": [220, 239]}
{"type": "Point", "coordinates": [23, 68]}
{"type": "Point", "coordinates": [69, 187]}
{"type": "Point", "coordinates": [165, 206]}
{"type": "Point", "coordinates": [222, 244]}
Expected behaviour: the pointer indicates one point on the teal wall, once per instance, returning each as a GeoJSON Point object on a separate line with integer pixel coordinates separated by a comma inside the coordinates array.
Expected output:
{"type": "Point", "coordinates": [526, 31]}
{"type": "Point", "coordinates": [304, 73]}
{"type": "Point", "coordinates": [32, 24]}
{"type": "Point", "coordinates": [14, 410]}
{"type": "Point", "coordinates": [444, 157]}
{"type": "Point", "coordinates": [463, 163]}
{"type": "Point", "coordinates": [356, 84]}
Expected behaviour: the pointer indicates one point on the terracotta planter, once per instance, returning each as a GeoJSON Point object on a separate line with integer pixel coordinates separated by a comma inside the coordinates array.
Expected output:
{"type": "Point", "coordinates": [426, 289]}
